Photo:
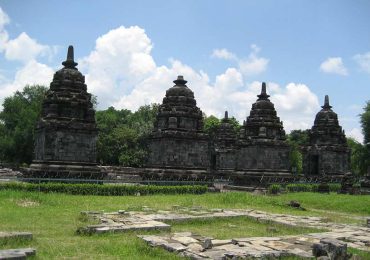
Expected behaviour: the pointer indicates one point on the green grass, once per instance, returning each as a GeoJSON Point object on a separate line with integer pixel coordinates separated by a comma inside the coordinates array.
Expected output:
{"type": "Point", "coordinates": [237, 227]}
{"type": "Point", "coordinates": [54, 218]}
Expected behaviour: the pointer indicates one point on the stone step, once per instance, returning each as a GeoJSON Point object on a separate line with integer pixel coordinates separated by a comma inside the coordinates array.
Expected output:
{"type": "Point", "coordinates": [17, 254]}
{"type": "Point", "coordinates": [16, 235]}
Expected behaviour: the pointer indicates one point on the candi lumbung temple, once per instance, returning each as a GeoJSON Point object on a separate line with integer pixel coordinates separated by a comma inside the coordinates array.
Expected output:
{"type": "Point", "coordinates": [66, 135]}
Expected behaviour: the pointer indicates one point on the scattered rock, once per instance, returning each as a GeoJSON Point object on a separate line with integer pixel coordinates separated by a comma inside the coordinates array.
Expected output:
{"type": "Point", "coordinates": [15, 235]}
{"type": "Point", "coordinates": [221, 242]}
{"type": "Point", "coordinates": [331, 248]}
{"type": "Point", "coordinates": [185, 240]}
{"type": "Point", "coordinates": [294, 204]}
{"type": "Point", "coordinates": [207, 243]}
{"type": "Point", "coordinates": [174, 247]}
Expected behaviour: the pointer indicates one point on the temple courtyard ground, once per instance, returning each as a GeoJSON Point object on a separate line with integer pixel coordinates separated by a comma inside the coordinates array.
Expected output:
{"type": "Point", "coordinates": [53, 219]}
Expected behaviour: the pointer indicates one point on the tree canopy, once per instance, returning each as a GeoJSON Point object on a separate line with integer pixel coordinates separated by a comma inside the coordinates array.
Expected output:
{"type": "Point", "coordinates": [17, 124]}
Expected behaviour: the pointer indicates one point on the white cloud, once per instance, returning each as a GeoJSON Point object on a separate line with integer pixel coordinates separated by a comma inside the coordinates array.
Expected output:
{"type": "Point", "coordinates": [297, 106]}
{"type": "Point", "coordinates": [30, 74]}
{"type": "Point", "coordinates": [122, 72]}
{"type": "Point", "coordinates": [363, 60]}
{"type": "Point", "coordinates": [223, 54]}
{"type": "Point", "coordinates": [334, 65]}
{"type": "Point", "coordinates": [23, 48]}
{"type": "Point", "coordinates": [120, 61]}
{"type": "Point", "coordinates": [356, 134]}
{"type": "Point", "coordinates": [4, 19]}
{"type": "Point", "coordinates": [254, 64]}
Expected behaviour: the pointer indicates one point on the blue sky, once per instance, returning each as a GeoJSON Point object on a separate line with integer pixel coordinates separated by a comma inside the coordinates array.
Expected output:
{"type": "Point", "coordinates": [131, 51]}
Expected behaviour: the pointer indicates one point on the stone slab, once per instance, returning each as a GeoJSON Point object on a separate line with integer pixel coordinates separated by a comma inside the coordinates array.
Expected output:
{"type": "Point", "coordinates": [15, 235]}
{"type": "Point", "coordinates": [17, 254]}
{"type": "Point", "coordinates": [200, 247]}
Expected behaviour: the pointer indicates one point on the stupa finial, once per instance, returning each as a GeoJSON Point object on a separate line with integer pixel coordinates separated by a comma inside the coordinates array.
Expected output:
{"type": "Point", "coordinates": [263, 94]}
{"type": "Point", "coordinates": [263, 90]}
{"type": "Point", "coordinates": [69, 62]}
{"type": "Point", "coordinates": [326, 103]}
{"type": "Point", "coordinates": [180, 81]}
{"type": "Point", "coordinates": [226, 115]}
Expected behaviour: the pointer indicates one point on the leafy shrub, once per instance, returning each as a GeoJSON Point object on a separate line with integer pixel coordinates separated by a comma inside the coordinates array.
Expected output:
{"type": "Point", "coordinates": [334, 187]}
{"type": "Point", "coordinates": [274, 188]}
{"type": "Point", "coordinates": [307, 187]}
{"type": "Point", "coordinates": [104, 190]}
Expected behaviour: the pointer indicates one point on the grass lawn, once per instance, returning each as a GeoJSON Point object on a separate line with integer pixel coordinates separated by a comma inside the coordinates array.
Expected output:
{"type": "Point", "coordinates": [54, 218]}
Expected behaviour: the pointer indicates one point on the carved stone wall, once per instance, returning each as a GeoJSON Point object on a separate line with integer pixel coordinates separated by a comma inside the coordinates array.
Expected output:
{"type": "Point", "coordinates": [178, 153]}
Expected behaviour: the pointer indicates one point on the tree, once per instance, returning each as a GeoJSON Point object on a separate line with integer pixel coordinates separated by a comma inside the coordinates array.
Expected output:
{"type": "Point", "coordinates": [297, 139]}
{"type": "Point", "coordinates": [211, 124]}
{"type": "Point", "coordinates": [17, 124]}
{"type": "Point", "coordinates": [235, 123]}
{"type": "Point", "coordinates": [123, 134]}
{"type": "Point", "coordinates": [365, 122]}
{"type": "Point", "coordinates": [359, 157]}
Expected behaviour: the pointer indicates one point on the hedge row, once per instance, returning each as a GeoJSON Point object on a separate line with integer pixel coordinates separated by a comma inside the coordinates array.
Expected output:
{"type": "Point", "coordinates": [301, 187]}
{"type": "Point", "coordinates": [104, 190]}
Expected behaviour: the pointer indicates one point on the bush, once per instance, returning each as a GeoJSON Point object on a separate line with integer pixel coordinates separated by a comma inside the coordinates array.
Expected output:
{"type": "Point", "coordinates": [304, 187]}
{"type": "Point", "coordinates": [274, 188]}
{"type": "Point", "coordinates": [335, 187]}
{"type": "Point", "coordinates": [104, 190]}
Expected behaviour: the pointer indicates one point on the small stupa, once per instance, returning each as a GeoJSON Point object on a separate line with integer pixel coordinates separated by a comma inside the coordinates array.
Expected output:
{"type": "Point", "coordinates": [178, 140]}
{"type": "Point", "coordinates": [327, 152]}
{"type": "Point", "coordinates": [262, 146]}
{"type": "Point", "coordinates": [66, 133]}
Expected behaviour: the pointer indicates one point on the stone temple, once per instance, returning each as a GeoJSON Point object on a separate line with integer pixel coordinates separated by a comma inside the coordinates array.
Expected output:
{"type": "Point", "coordinates": [178, 140]}
{"type": "Point", "coordinates": [224, 146]}
{"type": "Point", "coordinates": [66, 133]}
{"type": "Point", "coordinates": [262, 145]}
{"type": "Point", "coordinates": [327, 152]}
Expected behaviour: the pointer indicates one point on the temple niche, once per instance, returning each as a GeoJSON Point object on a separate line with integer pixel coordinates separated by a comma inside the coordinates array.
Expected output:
{"type": "Point", "coordinates": [223, 157]}
{"type": "Point", "coordinates": [66, 133]}
{"type": "Point", "coordinates": [178, 140]}
{"type": "Point", "coordinates": [327, 152]}
{"type": "Point", "coordinates": [262, 146]}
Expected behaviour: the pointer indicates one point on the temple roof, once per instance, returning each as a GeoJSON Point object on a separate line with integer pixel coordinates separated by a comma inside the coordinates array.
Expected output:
{"type": "Point", "coordinates": [226, 131]}
{"type": "Point", "coordinates": [69, 62]}
{"type": "Point", "coordinates": [326, 129]}
{"type": "Point", "coordinates": [180, 89]}
{"type": "Point", "coordinates": [67, 97]}
{"type": "Point", "coordinates": [179, 110]}
{"type": "Point", "coordinates": [263, 121]}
